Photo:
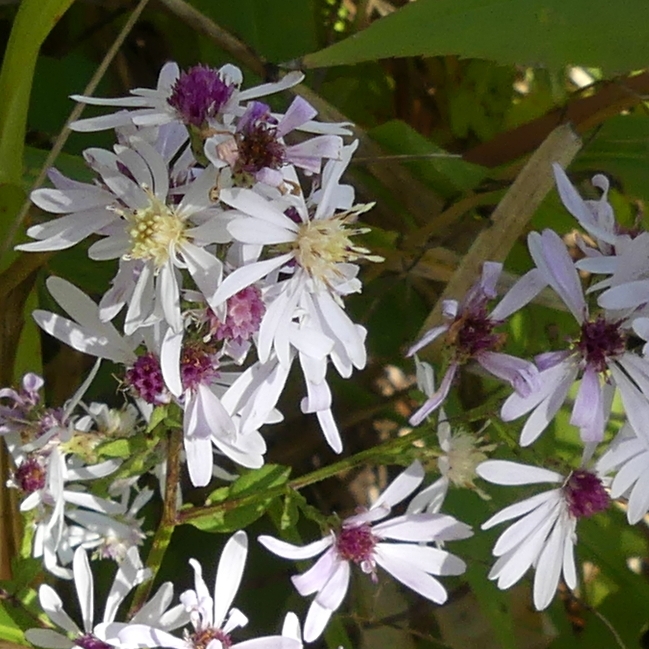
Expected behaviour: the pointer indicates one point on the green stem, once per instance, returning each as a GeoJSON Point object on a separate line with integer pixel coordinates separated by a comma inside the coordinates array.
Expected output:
{"type": "Point", "coordinates": [328, 471]}
{"type": "Point", "coordinates": [168, 521]}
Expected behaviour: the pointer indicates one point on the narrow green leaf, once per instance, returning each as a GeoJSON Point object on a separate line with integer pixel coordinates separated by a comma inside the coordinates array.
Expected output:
{"type": "Point", "coordinates": [34, 21]}
{"type": "Point", "coordinates": [269, 475]}
{"type": "Point", "coordinates": [550, 33]}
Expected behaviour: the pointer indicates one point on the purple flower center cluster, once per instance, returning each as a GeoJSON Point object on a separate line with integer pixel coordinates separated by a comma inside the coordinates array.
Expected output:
{"type": "Point", "coordinates": [245, 310]}
{"type": "Point", "coordinates": [199, 94]}
{"type": "Point", "coordinates": [89, 641]}
{"type": "Point", "coordinates": [473, 333]}
{"type": "Point", "coordinates": [294, 215]}
{"type": "Point", "coordinates": [197, 367]}
{"type": "Point", "coordinates": [257, 141]}
{"type": "Point", "coordinates": [201, 639]}
{"type": "Point", "coordinates": [145, 379]}
{"type": "Point", "coordinates": [585, 494]}
{"type": "Point", "coordinates": [30, 475]}
{"type": "Point", "coordinates": [599, 341]}
{"type": "Point", "coordinates": [356, 543]}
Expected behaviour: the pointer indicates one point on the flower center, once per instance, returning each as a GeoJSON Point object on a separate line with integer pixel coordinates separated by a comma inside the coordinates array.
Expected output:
{"type": "Point", "coordinates": [245, 310]}
{"type": "Point", "coordinates": [585, 494]}
{"type": "Point", "coordinates": [464, 454]}
{"type": "Point", "coordinates": [30, 475]}
{"type": "Point", "coordinates": [599, 341]}
{"type": "Point", "coordinates": [196, 367]}
{"type": "Point", "coordinates": [199, 94]}
{"type": "Point", "coordinates": [202, 638]}
{"type": "Point", "coordinates": [145, 379]}
{"type": "Point", "coordinates": [258, 149]}
{"type": "Point", "coordinates": [321, 244]}
{"type": "Point", "coordinates": [154, 231]}
{"type": "Point", "coordinates": [356, 544]}
{"type": "Point", "coordinates": [473, 333]}
{"type": "Point", "coordinates": [89, 641]}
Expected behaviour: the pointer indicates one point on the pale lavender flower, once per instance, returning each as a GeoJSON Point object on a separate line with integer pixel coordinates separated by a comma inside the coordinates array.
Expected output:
{"type": "Point", "coordinates": [212, 618]}
{"type": "Point", "coordinates": [470, 335]}
{"type": "Point", "coordinates": [628, 457]}
{"type": "Point", "coordinates": [304, 286]}
{"type": "Point", "coordinates": [620, 251]}
{"type": "Point", "coordinates": [596, 217]}
{"type": "Point", "coordinates": [545, 534]}
{"type": "Point", "coordinates": [256, 150]}
{"type": "Point", "coordinates": [598, 354]}
{"type": "Point", "coordinates": [369, 545]}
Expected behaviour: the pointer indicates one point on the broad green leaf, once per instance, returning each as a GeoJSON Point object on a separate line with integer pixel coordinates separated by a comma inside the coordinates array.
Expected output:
{"type": "Point", "coordinates": [448, 176]}
{"type": "Point", "coordinates": [550, 33]}
{"type": "Point", "coordinates": [276, 30]}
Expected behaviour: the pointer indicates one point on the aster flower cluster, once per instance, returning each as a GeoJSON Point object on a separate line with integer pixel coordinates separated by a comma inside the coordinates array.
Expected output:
{"type": "Point", "coordinates": [235, 244]}
{"type": "Point", "coordinates": [228, 270]}
{"type": "Point", "coordinates": [55, 452]}
{"type": "Point", "coordinates": [600, 358]}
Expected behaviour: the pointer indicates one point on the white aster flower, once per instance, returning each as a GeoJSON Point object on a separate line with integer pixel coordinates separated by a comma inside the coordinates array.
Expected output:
{"type": "Point", "coordinates": [369, 545]}
{"type": "Point", "coordinates": [256, 151]}
{"type": "Point", "coordinates": [129, 574]}
{"type": "Point", "coordinates": [545, 534]}
{"type": "Point", "coordinates": [318, 259]}
{"type": "Point", "coordinates": [141, 218]}
{"type": "Point", "coordinates": [199, 97]}
{"type": "Point", "coordinates": [212, 618]}
{"type": "Point", "coordinates": [166, 370]}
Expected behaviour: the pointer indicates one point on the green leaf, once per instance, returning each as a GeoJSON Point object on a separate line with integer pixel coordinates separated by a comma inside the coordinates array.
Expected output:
{"type": "Point", "coordinates": [9, 629]}
{"type": "Point", "coordinates": [158, 415]}
{"type": "Point", "coordinates": [551, 33]}
{"type": "Point", "coordinates": [620, 150]}
{"type": "Point", "coordinates": [446, 175]}
{"type": "Point", "coordinates": [34, 21]}
{"type": "Point", "coordinates": [268, 476]}
{"type": "Point", "coordinates": [116, 448]}
{"type": "Point", "coordinates": [276, 30]}
{"type": "Point", "coordinates": [239, 516]}
{"type": "Point", "coordinates": [12, 198]}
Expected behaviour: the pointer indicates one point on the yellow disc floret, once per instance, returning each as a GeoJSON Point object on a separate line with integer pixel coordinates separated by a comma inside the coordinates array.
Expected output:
{"type": "Point", "coordinates": [321, 244]}
{"type": "Point", "coordinates": [155, 231]}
